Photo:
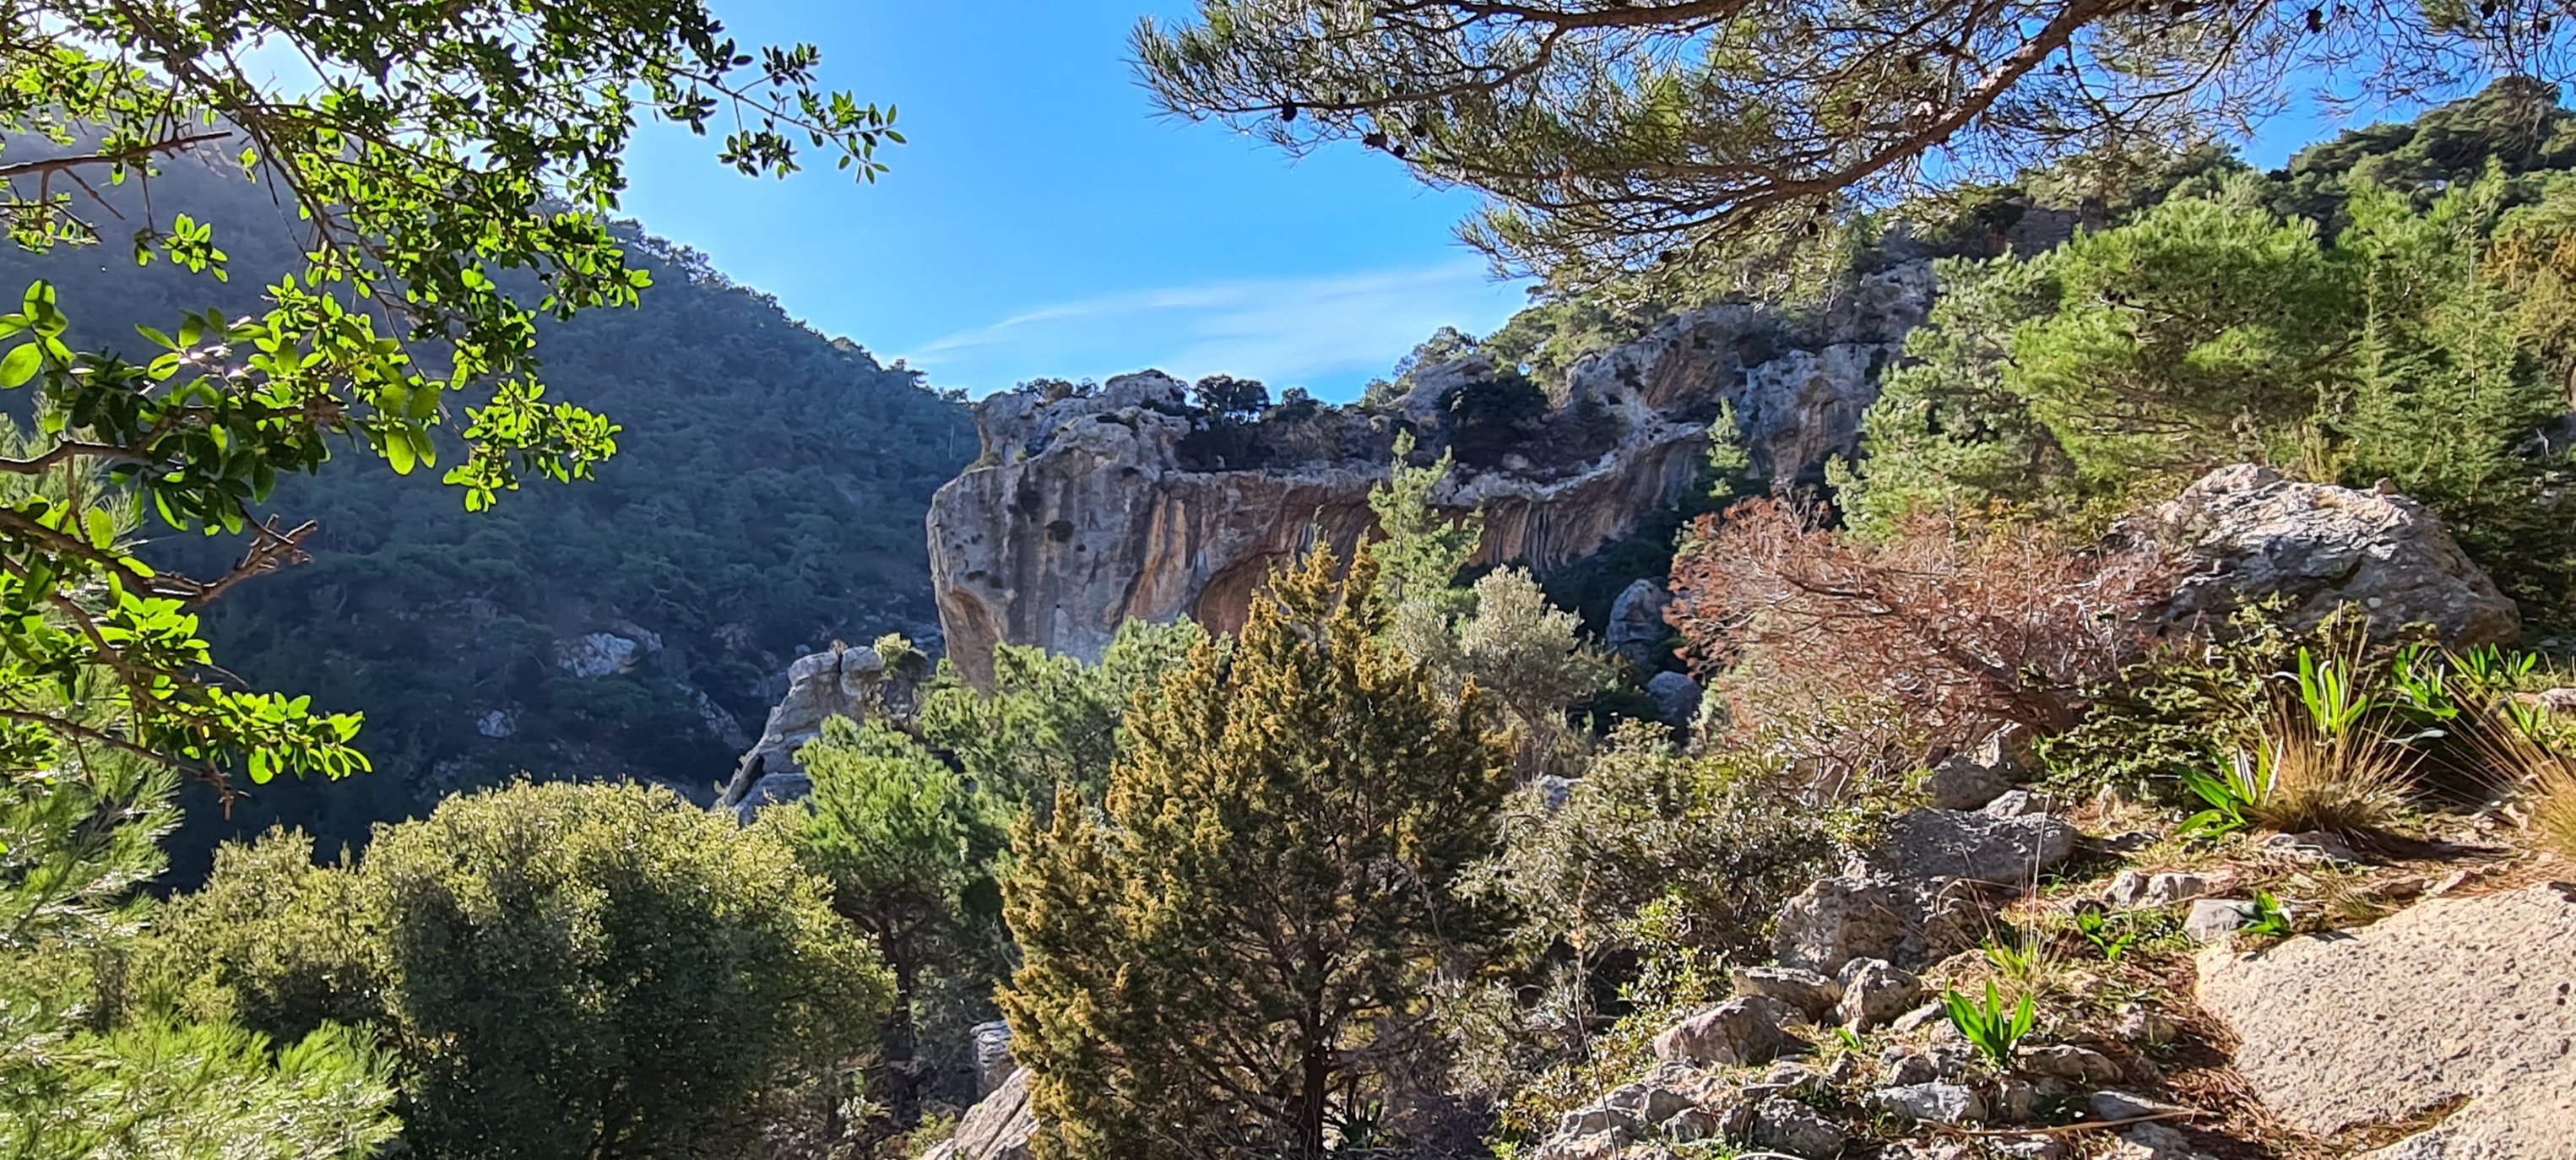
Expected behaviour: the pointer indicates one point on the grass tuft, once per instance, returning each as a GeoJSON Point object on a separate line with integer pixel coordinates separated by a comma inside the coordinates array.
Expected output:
{"type": "Point", "coordinates": [2544, 774]}
{"type": "Point", "coordinates": [2350, 781]}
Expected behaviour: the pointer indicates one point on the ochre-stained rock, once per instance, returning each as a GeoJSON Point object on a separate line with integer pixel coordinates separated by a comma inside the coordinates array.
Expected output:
{"type": "Point", "coordinates": [2463, 1006]}
{"type": "Point", "coordinates": [1087, 510]}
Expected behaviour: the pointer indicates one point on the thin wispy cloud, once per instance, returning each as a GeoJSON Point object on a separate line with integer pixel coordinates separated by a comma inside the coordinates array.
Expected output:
{"type": "Point", "coordinates": [1327, 333]}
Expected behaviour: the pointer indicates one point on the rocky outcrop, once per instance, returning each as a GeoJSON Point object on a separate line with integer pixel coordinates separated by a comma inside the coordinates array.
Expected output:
{"type": "Point", "coordinates": [844, 682]}
{"type": "Point", "coordinates": [996, 1128]}
{"type": "Point", "coordinates": [2246, 533]}
{"type": "Point", "coordinates": [1087, 510]}
{"type": "Point", "coordinates": [1927, 890]}
{"type": "Point", "coordinates": [1636, 631]}
{"type": "Point", "coordinates": [2458, 1014]}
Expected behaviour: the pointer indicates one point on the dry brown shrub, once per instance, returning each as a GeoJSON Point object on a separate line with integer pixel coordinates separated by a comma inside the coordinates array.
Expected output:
{"type": "Point", "coordinates": [1954, 628]}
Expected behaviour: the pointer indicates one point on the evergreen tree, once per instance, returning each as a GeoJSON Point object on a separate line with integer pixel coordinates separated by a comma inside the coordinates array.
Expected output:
{"type": "Point", "coordinates": [1614, 138]}
{"type": "Point", "coordinates": [1420, 557]}
{"type": "Point", "coordinates": [908, 847]}
{"type": "Point", "coordinates": [1050, 720]}
{"type": "Point", "coordinates": [1229, 956]}
{"type": "Point", "coordinates": [92, 1063]}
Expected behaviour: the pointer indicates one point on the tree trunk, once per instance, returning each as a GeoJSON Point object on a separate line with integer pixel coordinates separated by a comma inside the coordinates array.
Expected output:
{"type": "Point", "coordinates": [1310, 1104]}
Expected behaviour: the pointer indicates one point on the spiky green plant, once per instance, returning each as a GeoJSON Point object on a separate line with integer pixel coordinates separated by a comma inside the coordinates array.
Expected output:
{"type": "Point", "coordinates": [1993, 1031]}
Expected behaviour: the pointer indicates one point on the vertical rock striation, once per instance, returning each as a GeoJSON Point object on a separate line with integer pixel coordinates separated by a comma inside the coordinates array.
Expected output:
{"type": "Point", "coordinates": [1089, 509]}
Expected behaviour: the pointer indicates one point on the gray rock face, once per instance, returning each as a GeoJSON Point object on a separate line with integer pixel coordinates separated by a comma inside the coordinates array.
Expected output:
{"type": "Point", "coordinates": [1876, 991]}
{"type": "Point", "coordinates": [1785, 1125]}
{"type": "Point", "coordinates": [2246, 533]}
{"type": "Point", "coordinates": [993, 1062]}
{"type": "Point", "coordinates": [599, 654]}
{"type": "Point", "coordinates": [1676, 697]}
{"type": "Point", "coordinates": [2467, 1001]}
{"type": "Point", "coordinates": [1968, 781]}
{"type": "Point", "coordinates": [850, 683]}
{"type": "Point", "coordinates": [1636, 629]}
{"type": "Point", "coordinates": [998, 1127]}
{"type": "Point", "coordinates": [2213, 919]}
{"type": "Point", "coordinates": [1743, 1030]}
{"type": "Point", "coordinates": [1088, 511]}
{"type": "Point", "coordinates": [2068, 1062]}
{"type": "Point", "coordinates": [1939, 1103]}
{"type": "Point", "coordinates": [2154, 1142]}
{"type": "Point", "coordinates": [2133, 890]}
{"type": "Point", "coordinates": [1812, 994]}
{"type": "Point", "coordinates": [1837, 920]}
{"type": "Point", "coordinates": [1652, 1103]}
{"type": "Point", "coordinates": [1926, 890]}
{"type": "Point", "coordinates": [2118, 1105]}
{"type": "Point", "coordinates": [1996, 845]}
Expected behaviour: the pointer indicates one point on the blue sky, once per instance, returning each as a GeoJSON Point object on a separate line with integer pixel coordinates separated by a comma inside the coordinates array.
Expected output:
{"type": "Point", "coordinates": [1044, 221]}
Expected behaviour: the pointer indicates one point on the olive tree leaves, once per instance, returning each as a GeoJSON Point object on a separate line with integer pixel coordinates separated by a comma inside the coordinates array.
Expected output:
{"type": "Point", "coordinates": [452, 165]}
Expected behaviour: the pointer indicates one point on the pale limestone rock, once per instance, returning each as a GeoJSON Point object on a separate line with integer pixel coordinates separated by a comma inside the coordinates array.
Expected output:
{"type": "Point", "coordinates": [998, 1127]}
{"type": "Point", "coordinates": [2454, 999]}
{"type": "Point", "coordinates": [1933, 881]}
{"type": "Point", "coordinates": [1812, 994]}
{"type": "Point", "coordinates": [1743, 1030]}
{"type": "Point", "coordinates": [1088, 511]}
{"type": "Point", "coordinates": [2246, 533]}
{"type": "Point", "coordinates": [842, 682]}
{"type": "Point", "coordinates": [1876, 991]}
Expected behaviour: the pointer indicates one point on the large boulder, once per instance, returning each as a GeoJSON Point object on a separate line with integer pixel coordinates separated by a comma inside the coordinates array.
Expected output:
{"type": "Point", "coordinates": [1636, 630]}
{"type": "Point", "coordinates": [2459, 1013]}
{"type": "Point", "coordinates": [1746, 1029]}
{"type": "Point", "coordinates": [2245, 533]}
{"type": "Point", "coordinates": [998, 1127]}
{"type": "Point", "coordinates": [1926, 889]}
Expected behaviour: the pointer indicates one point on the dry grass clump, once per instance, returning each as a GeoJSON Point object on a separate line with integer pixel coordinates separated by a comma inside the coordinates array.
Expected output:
{"type": "Point", "coordinates": [2351, 781]}
{"type": "Point", "coordinates": [2545, 774]}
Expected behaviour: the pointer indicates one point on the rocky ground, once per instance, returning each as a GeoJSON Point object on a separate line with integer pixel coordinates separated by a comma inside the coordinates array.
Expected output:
{"type": "Point", "coordinates": [2417, 1007]}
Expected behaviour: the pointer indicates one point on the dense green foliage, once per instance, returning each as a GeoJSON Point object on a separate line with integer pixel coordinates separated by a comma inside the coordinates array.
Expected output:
{"type": "Point", "coordinates": [2211, 328]}
{"type": "Point", "coordinates": [438, 149]}
{"type": "Point", "coordinates": [1308, 790]}
{"type": "Point", "coordinates": [93, 1062]}
{"type": "Point", "coordinates": [908, 846]}
{"type": "Point", "coordinates": [766, 499]}
{"type": "Point", "coordinates": [561, 970]}
{"type": "Point", "coordinates": [1050, 721]}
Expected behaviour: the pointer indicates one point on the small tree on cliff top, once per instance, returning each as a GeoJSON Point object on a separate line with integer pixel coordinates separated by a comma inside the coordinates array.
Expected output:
{"type": "Point", "coordinates": [1229, 956]}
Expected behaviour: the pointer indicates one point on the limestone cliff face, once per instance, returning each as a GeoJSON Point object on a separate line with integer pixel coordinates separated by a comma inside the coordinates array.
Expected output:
{"type": "Point", "coordinates": [1088, 510]}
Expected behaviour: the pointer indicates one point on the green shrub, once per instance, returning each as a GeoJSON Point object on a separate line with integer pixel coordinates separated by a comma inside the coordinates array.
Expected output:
{"type": "Point", "coordinates": [1728, 836]}
{"type": "Point", "coordinates": [575, 970]}
{"type": "Point", "coordinates": [99, 1057]}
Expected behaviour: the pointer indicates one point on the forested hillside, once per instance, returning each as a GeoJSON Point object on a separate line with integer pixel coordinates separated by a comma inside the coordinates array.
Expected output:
{"type": "Point", "coordinates": [766, 499]}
